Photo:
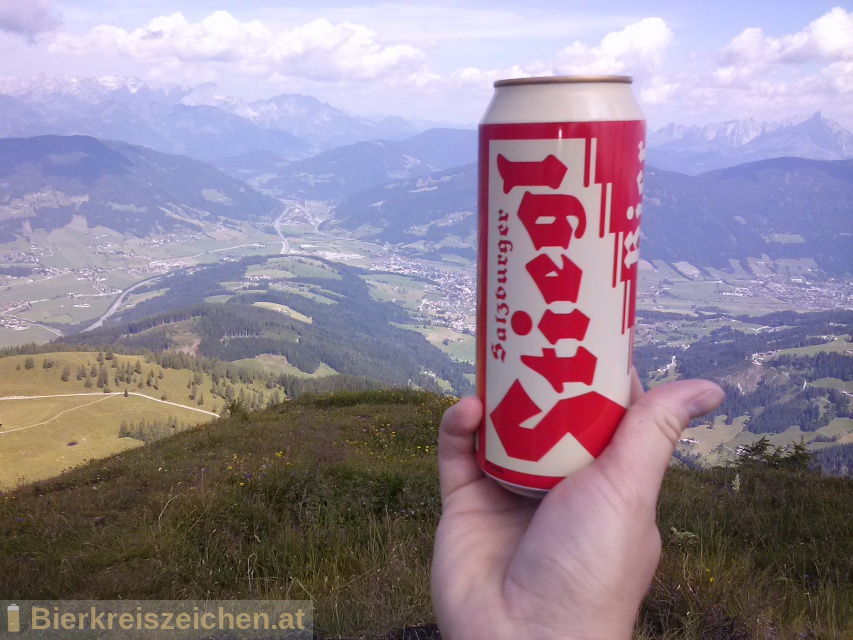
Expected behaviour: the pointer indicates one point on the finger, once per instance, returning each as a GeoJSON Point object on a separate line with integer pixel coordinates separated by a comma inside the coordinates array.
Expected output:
{"type": "Point", "coordinates": [457, 463]}
{"type": "Point", "coordinates": [644, 442]}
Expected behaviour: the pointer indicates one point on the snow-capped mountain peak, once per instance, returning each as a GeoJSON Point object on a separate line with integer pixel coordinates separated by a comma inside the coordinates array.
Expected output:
{"type": "Point", "coordinates": [694, 149]}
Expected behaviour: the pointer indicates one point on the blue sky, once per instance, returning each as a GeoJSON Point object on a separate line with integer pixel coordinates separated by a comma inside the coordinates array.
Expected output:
{"type": "Point", "coordinates": [694, 61]}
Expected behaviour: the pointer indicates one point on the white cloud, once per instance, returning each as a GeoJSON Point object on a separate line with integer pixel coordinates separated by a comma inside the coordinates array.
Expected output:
{"type": "Point", "coordinates": [324, 51]}
{"type": "Point", "coordinates": [658, 91]}
{"type": "Point", "coordinates": [319, 50]}
{"type": "Point", "coordinates": [638, 47]}
{"type": "Point", "coordinates": [27, 17]}
{"type": "Point", "coordinates": [838, 77]}
{"type": "Point", "coordinates": [426, 61]}
{"type": "Point", "coordinates": [830, 37]}
{"type": "Point", "coordinates": [765, 76]}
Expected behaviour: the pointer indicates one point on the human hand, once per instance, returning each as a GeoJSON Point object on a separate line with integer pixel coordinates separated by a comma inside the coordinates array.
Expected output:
{"type": "Point", "coordinates": [578, 563]}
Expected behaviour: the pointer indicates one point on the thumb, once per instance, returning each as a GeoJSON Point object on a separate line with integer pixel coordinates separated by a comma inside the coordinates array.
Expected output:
{"type": "Point", "coordinates": [643, 443]}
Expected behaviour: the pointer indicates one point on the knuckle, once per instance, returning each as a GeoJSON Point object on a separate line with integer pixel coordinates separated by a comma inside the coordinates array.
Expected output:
{"type": "Point", "coordinates": [669, 422]}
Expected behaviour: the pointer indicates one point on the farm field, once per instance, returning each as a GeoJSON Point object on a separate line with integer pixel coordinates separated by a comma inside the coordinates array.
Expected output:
{"type": "Point", "coordinates": [662, 287]}
{"type": "Point", "coordinates": [716, 444]}
{"type": "Point", "coordinates": [43, 436]}
{"type": "Point", "coordinates": [85, 270]}
{"type": "Point", "coordinates": [16, 337]}
{"type": "Point", "coordinates": [283, 308]}
{"type": "Point", "coordinates": [279, 365]}
{"type": "Point", "coordinates": [458, 346]}
{"type": "Point", "coordinates": [838, 345]}
{"type": "Point", "coordinates": [49, 424]}
{"type": "Point", "coordinates": [404, 291]}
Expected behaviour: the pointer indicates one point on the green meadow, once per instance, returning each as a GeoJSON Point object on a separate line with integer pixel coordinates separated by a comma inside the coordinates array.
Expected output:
{"type": "Point", "coordinates": [267, 505]}
{"type": "Point", "coordinates": [54, 415]}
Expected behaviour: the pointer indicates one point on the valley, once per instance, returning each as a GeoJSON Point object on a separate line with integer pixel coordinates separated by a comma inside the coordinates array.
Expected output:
{"type": "Point", "coordinates": [111, 244]}
{"type": "Point", "coordinates": [72, 277]}
{"type": "Point", "coordinates": [75, 277]}
{"type": "Point", "coordinates": [304, 269]}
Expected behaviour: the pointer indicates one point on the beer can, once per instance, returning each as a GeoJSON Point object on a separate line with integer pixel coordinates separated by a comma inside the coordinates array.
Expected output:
{"type": "Point", "coordinates": [559, 208]}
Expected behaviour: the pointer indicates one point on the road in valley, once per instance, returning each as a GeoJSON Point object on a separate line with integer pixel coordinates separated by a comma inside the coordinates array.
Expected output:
{"type": "Point", "coordinates": [115, 306]}
{"type": "Point", "coordinates": [285, 245]}
{"type": "Point", "coordinates": [8, 314]}
{"type": "Point", "coordinates": [285, 249]}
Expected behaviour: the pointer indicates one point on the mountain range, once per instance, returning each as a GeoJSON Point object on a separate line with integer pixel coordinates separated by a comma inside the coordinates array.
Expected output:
{"type": "Point", "coordinates": [436, 213]}
{"type": "Point", "coordinates": [785, 208]}
{"type": "Point", "coordinates": [205, 123]}
{"type": "Point", "coordinates": [350, 169]}
{"type": "Point", "coordinates": [697, 149]}
{"type": "Point", "coordinates": [387, 182]}
{"type": "Point", "coordinates": [200, 122]}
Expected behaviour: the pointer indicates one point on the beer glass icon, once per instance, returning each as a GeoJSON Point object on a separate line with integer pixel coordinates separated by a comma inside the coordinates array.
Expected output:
{"type": "Point", "coordinates": [13, 618]}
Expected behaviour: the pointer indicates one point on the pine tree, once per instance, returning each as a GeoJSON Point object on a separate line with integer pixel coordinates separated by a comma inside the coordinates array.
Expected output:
{"type": "Point", "coordinates": [102, 377]}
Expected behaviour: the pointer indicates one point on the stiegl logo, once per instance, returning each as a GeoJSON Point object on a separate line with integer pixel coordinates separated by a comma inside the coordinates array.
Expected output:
{"type": "Point", "coordinates": [545, 218]}
{"type": "Point", "coordinates": [561, 206]}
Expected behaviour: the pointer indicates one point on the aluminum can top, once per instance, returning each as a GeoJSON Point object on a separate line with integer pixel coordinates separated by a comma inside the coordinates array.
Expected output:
{"type": "Point", "coordinates": [563, 99]}
{"type": "Point", "coordinates": [562, 80]}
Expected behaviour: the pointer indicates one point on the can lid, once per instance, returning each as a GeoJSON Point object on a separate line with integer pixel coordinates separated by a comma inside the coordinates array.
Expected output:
{"type": "Point", "coordinates": [563, 80]}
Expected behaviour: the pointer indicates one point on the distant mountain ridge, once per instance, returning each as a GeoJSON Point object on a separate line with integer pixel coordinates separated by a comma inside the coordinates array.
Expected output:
{"type": "Point", "coordinates": [201, 121]}
{"type": "Point", "coordinates": [46, 180]}
{"type": "Point", "coordinates": [435, 213]}
{"type": "Point", "coordinates": [345, 171]}
{"type": "Point", "coordinates": [206, 123]}
{"type": "Point", "coordinates": [786, 208]}
{"type": "Point", "coordinates": [698, 149]}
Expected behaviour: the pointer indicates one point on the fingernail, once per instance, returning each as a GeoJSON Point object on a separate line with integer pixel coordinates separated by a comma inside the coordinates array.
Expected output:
{"type": "Point", "coordinates": [705, 402]}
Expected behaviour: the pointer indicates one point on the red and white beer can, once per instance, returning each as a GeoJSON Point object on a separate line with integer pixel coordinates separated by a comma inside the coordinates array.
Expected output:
{"type": "Point", "coordinates": [560, 201]}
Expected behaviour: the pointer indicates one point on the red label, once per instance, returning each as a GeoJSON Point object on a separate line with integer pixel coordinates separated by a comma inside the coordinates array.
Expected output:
{"type": "Point", "coordinates": [560, 209]}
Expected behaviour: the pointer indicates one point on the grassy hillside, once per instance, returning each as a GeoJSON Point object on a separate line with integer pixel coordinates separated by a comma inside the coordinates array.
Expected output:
{"type": "Point", "coordinates": [788, 376]}
{"type": "Point", "coordinates": [57, 410]}
{"type": "Point", "coordinates": [335, 499]}
{"type": "Point", "coordinates": [119, 186]}
{"type": "Point", "coordinates": [784, 208]}
{"type": "Point", "coordinates": [319, 315]}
